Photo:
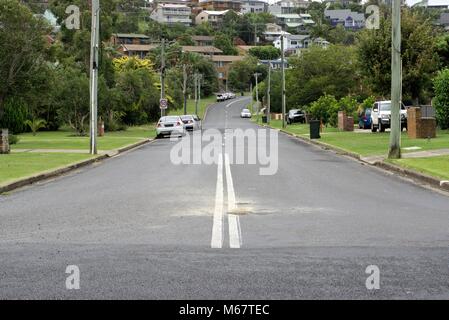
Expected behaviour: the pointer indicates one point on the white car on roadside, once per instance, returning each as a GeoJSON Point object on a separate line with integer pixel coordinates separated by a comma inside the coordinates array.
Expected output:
{"type": "Point", "coordinates": [169, 125]}
{"type": "Point", "coordinates": [381, 116]}
{"type": "Point", "coordinates": [245, 113]}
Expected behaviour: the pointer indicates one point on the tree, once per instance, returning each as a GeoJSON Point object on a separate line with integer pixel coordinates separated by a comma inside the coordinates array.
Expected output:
{"type": "Point", "coordinates": [35, 125]}
{"type": "Point", "coordinates": [22, 50]}
{"type": "Point", "coordinates": [241, 73]}
{"type": "Point", "coordinates": [265, 52]}
{"type": "Point", "coordinates": [441, 100]}
{"type": "Point", "coordinates": [322, 108]}
{"type": "Point", "coordinates": [419, 57]}
{"type": "Point", "coordinates": [72, 98]}
{"type": "Point", "coordinates": [320, 71]}
{"type": "Point", "coordinates": [224, 43]}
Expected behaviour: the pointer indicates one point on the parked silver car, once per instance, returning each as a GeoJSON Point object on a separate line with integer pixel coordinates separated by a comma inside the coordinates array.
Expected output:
{"type": "Point", "coordinates": [170, 125]}
{"type": "Point", "coordinates": [191, 122]}
{"type": "Point", "coordinates": [245, 113]}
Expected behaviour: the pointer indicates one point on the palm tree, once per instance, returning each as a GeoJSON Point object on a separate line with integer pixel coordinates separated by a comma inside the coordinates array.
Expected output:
{"type": "Point", "coordinates": [35, 125]}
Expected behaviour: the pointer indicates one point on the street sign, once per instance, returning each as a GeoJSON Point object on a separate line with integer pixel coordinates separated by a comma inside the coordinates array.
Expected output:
{"type": "Point", "coordinates": [163, 103]}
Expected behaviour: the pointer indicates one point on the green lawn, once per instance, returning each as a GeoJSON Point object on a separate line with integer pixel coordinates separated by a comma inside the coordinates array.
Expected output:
{"type": "Point", "coordinates": [202, 105]}
{"type": "Point", "coordinates": [434, 166]}
{"type": "Point", "coordinates": [368, 144]}
{"type": "Point", "coordinates": [20, 165]}
{"type": "Point", "coordinates": [65, 139]}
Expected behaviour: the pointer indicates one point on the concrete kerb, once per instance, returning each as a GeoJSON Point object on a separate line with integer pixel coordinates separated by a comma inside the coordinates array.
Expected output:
{"type": "Point", "coordinates": [414, 175]}
{"type": "Point", "coordinates": [60, 171]}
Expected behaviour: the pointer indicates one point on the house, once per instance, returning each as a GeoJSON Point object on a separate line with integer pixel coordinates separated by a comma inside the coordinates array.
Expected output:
{"type": "Point", "coordinates": [202, 50]}
{"type": "Point", "coordinates": [294, 20]}
{"type": "Point", "coordinates": [270, 36]}
{"type": "Point", "coordinates": [433, 4]}
{"type": "Point", "coordinates": [139, 50]}
{"type": "Point", "coordinates": [272, 27]}
{"type": "Point", "coordinates": [203, 40]}
{"type": "Point", "coordinates": [293, 43]}
{"type": "Point", "coordinates": [213, 17]}
{"type": "Point", "coordinates": [443, 21]}
{"type": "Point", "coordinates": [287, 6]}
{"type": "Point", "coordinates": [129, 38]}
{"type": "Point", "coordinates": [275, 64]}
{"type": "Point", "coordinates": [346, 18]}
{"type": "Point", "coordinates": [222, 64]}
{"type": "Point", "coordinates": [221, 5]}
{"type": "Point", "coordinates": [243, 49]}
{"type": "Point", "coordinates": [254, 6]}
{"type": "Point", "coordinates": [169, 13]}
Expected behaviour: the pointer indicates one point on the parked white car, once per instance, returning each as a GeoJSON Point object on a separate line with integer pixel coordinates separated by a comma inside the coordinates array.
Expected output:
{"type": "Point", "coordinates": [170, 125]}
{"type": "Point", "coordinates": [381, 116]}
{"type": "Point", "coordinates": [191, 122]}
{"type": "Point", "coordinates": [245, 113]}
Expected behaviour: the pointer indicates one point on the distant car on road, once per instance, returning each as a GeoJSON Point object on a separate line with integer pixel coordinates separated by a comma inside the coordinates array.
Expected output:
{"type": "Point", "coordinates": [295, 115]}
{"type": "Point", "coordinates": [220, 97]}
{"type": "Point", "coordinates": [365, 119]}
{"type": "Point", "coordinates": [191, 122]}
{"type": "Point", "coordinates": [381, 116]}
{"type": "Point", "coordinates": [245, 113]}
{"type": "Point", "coordinates": [170, 125]}
{"type": "Point", "coordinates": [225, 96]}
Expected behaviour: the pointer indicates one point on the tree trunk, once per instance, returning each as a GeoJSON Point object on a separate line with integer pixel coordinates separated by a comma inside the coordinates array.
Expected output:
{"type": "Point", "coordinates": [2, 109]}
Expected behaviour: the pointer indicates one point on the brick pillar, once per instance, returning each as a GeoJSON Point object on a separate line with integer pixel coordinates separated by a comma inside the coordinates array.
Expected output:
{"type": "Point", "coordinates": [341, 120]}
{"type": "Point", "coordinates": [428, 128]}
{"type": "Point", "coordinates": [349, 124]}
{"type": "Point", "coordinates": [414, 122]}
{"type": "Point", "coordinates": [4, 142]}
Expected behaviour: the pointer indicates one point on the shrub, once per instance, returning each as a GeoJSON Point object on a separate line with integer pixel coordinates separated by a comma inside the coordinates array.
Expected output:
{"type": "Point", "coordinates": [441, 100]}
{"type": "Point", "coordinates": [323, 108]}
{"type": "Point", "coordinates": [35, 125]}
{"type": "Point", "coordinates": [15, 115]}
{"type": "Point", "coordinates": [13, 139]}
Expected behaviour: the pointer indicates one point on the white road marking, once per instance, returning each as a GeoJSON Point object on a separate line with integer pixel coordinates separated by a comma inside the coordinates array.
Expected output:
{"type": "Point", "coordinates": [217, 229]}
{"type": "Point", "coordinates": [235, 237]}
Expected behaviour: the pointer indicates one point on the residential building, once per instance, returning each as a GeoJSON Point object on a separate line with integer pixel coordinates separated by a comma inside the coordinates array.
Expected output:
{"type": "Point", "coordinates": [293, 43]}
{"type": "Point", "coordinates": [213, 17]}
{"type": "Point", "coordinates": [294, 20]}
{"type": "Point", "coordinates": [169, 13]}
{"type": "Point", "coordinates": [202, 50]}
{"type": "Point", "coordinates": [287, 6]}
{"type": "Point", "coordinates": [254, 6]}
{"type": "Point", "coordinates": [433, 4]}
{"type": "Point", "coordinates": [270, 36]}
{"type": "Point", "coordinates": [443, 21]}
{"type": "Point", "coordinates": [346, 18]}
{"type": "Point", "coordinates": [275, 64]}
{"type": "Point", "coordinates": [203, 40]}
{"type": "Point", "coordinates": [221, 5]}
{"type": "Point", "coordinates": [272, 27]}
{"type": "Point", "coordinates": [244, 49]}
{"type": "Point", "coordinates": [222, 64]}
{"type": "Point", "coordinates": [139, 50]}
{"type": "Point", "coordinates": [129, 38]}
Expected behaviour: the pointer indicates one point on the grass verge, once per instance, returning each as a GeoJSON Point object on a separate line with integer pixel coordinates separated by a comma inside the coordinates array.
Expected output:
{"type": "Point", "coordinates": [434, 166]}
{"type": "Point", "coordinates": [15, 166]}
{"type": "Point", "coordinates": [65, 139]}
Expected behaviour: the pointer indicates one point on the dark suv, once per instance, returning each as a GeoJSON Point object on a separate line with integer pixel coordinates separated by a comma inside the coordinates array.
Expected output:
{"type": "Point", "coordinates": [295, 115]}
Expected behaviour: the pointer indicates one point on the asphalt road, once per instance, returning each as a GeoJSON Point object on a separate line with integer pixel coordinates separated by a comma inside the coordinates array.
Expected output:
{"type": "Point", "coordinates": [140, 226]}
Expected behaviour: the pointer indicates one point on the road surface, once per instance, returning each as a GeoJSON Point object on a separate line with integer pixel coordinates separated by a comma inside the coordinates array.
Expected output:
{"type": "Point", "coordinates": [139, 226]}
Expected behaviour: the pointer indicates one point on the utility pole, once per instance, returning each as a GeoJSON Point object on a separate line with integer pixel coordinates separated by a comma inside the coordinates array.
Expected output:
{"type": "Point", "coordinates": [94, 41]}
{"type": "Point", "coordinates": [257, 95]}
{"type": "Point", "coordinates": [255, 34]}
{"type": "Point", "coordinates": [163, 74]}
{"type": "Point", "coordinates": [394, 151]}
{"type": "Point", "coordinates": [283, 81]}
{"type": "Point", "coordinates": [184, 88]}
{"type": "Point", "coordinates": [195, 83]}
{"type": "Point", "coordinates": [268, 93]}
{"type": "Point", "coordinates": [199, 92]}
